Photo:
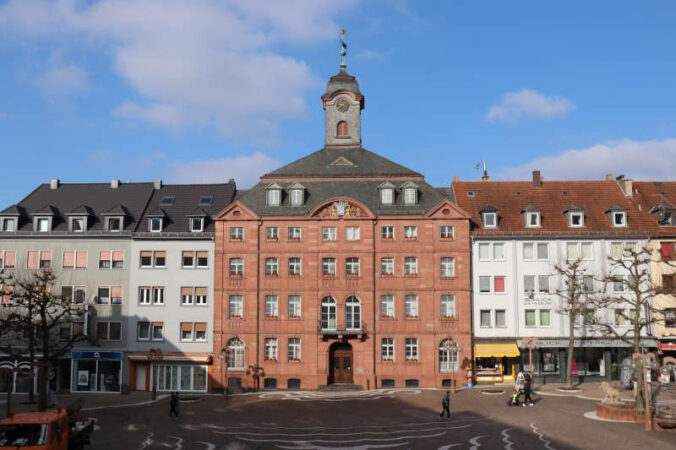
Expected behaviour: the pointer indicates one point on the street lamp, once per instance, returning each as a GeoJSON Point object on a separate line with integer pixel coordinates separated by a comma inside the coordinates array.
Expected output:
{"type": "Point", "coordinates": [531, 342]}
{"type": "Point", "coordinates": [453, 348]}
{"type": "Point", "coordinates": [154, 355]}
{"type": "Point", "coordinates": [225, 353]}
{"type": "Point", "coordinates": [256, 372]}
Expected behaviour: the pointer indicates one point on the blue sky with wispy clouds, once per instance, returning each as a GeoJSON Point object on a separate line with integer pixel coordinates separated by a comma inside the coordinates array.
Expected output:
{"type": "Point", "coordinates": [202, 91]}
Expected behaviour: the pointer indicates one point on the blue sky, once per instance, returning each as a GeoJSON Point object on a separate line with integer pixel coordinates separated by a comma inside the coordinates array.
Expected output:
{"type": "Point", "coordinates": [202, 91]}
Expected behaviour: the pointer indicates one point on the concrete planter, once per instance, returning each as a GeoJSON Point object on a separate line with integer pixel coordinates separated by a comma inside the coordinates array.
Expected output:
{"type": "Point", "coordinates": [626, 413]}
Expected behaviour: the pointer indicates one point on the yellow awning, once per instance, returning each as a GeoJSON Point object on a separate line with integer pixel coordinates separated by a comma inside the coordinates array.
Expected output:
{"type": "Point", "coordinates": [493, 350]}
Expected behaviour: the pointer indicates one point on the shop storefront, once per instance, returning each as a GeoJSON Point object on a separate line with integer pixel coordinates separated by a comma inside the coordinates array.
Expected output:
{"type": "Point", "coordinates": [495, 362]}
{"type": "Point", "coordinates": [171, 372]}
{"type": "Point", "coordinates": [17, 373]}
{"type": "Point", "coordinates": [96, 371]}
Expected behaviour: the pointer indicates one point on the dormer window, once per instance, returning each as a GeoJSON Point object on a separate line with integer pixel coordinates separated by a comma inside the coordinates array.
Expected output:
{"type": "Point", "coordinates": [114, 224]}
{"type": "Point", "coordinates": [297, 194]}
{"type": "Point", "coordinates": [576, 219]}
{"type": "Point", "coordinates": [532, 217]}
{"type": "Point", "coordinates": [9, 224]}
{"type": "Point", "coordinates": [155, 224]}
{"type": "Point", "coordinates": [197, 224]}
{"type": "Point", "coordinates": [42, 224]}
{"type": "Point", "coordinates": [387, 196]}
{"type": "Point", "coordinates": [273, 196]}
{"type": "Point", "coordinates": [410, 196]}
{"type": "Point", "coordinates": [619, 218]}
{"type": "Point", "coordinates": [78, 224]}
{"type": "Point", "coordinates": [490, 219]}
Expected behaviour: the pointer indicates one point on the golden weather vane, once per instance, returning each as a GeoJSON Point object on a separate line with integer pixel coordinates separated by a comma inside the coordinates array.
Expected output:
{"type": "Point", "coordinates": [343, 50]}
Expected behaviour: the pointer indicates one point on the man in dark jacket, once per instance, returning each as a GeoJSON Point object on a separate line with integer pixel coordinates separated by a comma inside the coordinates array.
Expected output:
{"type": "Point", "coordinates": [446, 403]}
{"type": "Point", "coordinates": [527, 390]}
{"type": "Point", "coordinates": [173, 404]}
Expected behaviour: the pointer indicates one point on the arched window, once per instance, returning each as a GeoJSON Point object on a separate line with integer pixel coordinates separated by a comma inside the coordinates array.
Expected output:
{"type": "Point", "coordinates": [342, 129]}
{"type": "Point", "coordinates": [448, 358]}
{"type": "Point", "coordinates": [236, 354]}
{"type": "Point", "coordinates": [328, 313]}
{"type": "Point", "coordinates": [352, 314]}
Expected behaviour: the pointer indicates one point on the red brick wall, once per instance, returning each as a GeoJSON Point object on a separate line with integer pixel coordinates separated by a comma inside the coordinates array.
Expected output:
{"type": "Point", "coordinates": [313, 369]}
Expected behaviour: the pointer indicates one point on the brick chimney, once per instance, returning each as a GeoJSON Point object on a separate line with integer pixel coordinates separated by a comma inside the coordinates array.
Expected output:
{"type": "Point", "coordinates": [609, 177]}
{"type": "Point", "coordinates": [626, 185]}
{"type": "Point", "coordinates": [537, 179]}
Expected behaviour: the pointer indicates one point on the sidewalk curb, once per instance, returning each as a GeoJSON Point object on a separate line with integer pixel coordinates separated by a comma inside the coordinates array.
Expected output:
{"type": "Point", "coordinates": [583, 397]}
{"type": "Point", "coordinates": [147, 402]}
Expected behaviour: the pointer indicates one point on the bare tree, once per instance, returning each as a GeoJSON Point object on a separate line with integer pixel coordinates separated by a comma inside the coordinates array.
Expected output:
{"type": "Point", "coordinates": [574, 291]}
{"type": "Point", "coordinates": [33, 315]}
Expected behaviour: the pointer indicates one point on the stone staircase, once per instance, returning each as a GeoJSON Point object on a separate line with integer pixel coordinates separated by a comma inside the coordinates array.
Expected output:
{"type": "Point", "coordinates": [337, 387]}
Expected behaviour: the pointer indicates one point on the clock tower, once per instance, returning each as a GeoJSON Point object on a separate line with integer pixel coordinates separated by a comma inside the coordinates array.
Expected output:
{"type": "Point", "coordinates": [343, 103]}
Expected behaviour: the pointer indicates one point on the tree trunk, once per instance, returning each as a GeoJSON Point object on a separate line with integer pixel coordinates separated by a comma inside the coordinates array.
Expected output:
{"type": "Point", "coordinates": [571, 347]}
{"type": "Point", "coordinates": [43, 397]}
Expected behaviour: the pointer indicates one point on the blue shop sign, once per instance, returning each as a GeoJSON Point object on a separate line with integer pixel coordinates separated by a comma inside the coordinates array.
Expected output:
{"type": "Point", "coordinates": [96, 355]}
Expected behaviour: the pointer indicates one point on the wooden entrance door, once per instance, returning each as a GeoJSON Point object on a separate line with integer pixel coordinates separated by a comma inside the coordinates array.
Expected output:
{"type": "Point", "coordinates": [341, 365]}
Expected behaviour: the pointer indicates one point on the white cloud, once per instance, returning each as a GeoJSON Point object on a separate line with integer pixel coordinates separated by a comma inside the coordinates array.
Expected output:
{"type": "Point", "coordinates": [638, 160]}
{"type": "Point", "coordinates": [527, 103]}
{"type": "Point", "coordinates": [64, 80]}
{"type": "Point", "coordinates": [192, 64]}
{"type": "Point", "coordinates": [244, 169]}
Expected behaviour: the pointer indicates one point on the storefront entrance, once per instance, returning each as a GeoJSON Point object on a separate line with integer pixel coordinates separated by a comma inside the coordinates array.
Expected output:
{"type": "Point", "coordinates": [494, 362]}
{"type": "Point", "coordinates": [340, 363]}
{"type": "Point", "coordinates": [96, 371]}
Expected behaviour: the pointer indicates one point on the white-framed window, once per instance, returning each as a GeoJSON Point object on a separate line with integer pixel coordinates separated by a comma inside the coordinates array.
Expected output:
{"type": "Point", "coordinates": [295, 310]}
{"type": "Point", "coordinates": [157, 333]}
{"type": "Point", "coordinates": [328, 314]}
{"type": "Point", "coordinates": [410, 266]}
{"type": "Point", "coordinates": [297, 197]}
{"type": "Point", "coordinates": [533, 251]}
{"type": "Point", "coordinates": [109, 331]}
{"type": "Point", "coordinates": [411, 306]}
{"type": "Point", "coordinates": [295, 266]}
{"type": "Point", "coordinates": [500, 318]}
{"type": "Point", "coordinates": [580, 250]}
{"type": "Point", "coordinates": [352, 266]}
{"type": "Point", "coordinates": [446, 232]}
{"type": "Point", "coordinates": [155, 224]}
{"type": "Point", "coordinates": [274, 197]}
{"type": "Point", "coordinates": [619, 218]}
{"type": "Point", "coordinates": [149, 258]}
{"type": "Point", "coordinates": [530, 318]}
{"type": "Point", "coordinates": [387, 349]}
{"type": "Point", "coordinates": [619, 283]}
{"type": "Point", "coordinates": [497, 285]}
{"type": "Point", "coordinates": [236, 233]}
{"type": "Point", "coordinates": [186, 331]}
{"type": "Point", "coordinates": [42, 224]}
{"type": "Point", "coordinates": [410, 196]}
{"type": "Point", "coordinates": [191, 259]}
{"type": "Point", "coordinates": [236, 306]}
{"type": "Point", "coordinates": [143, 331]}
{"type": "Point", "coordinates": [576, 219]}
{"type": "Point", "coordinates": [158, 295]}
{"type": "Point", "coordinates": [545, 318]}
{"type": "Point", "coordinates": [329, 234]}
{"type": "Point", "coordinates": [484, 251]}
{"type": "Point", "coordinates": [294, 233]}
{"type": "Point", "coordinates": [588, 283]}
{"type": "Point", "coordinates": [352, 313]}
{"type": "Point", "coordinates": [448, 306]}
{"type": "Point", "coordinates": [144, 295]}
{"type": "Point", "coordinates": [410, 232]}
{"type": "Point", "coordinates": [621, 318]}
{"type": "Point", "coordinates": [235, 358]}
{"type": "Point", "coordinates": [329, 267]}
{"type": "Point", "coordinates": [387, 306]}
{"type": "Point", "coordinates": [485, 284]}
{"type": "Point", "coordinates": [271, 267]}
{"type": "Point", "coordinates": [271, 349]}
{"type": "Point", "coordinates": [109, 295]}
{"type": "Point", "coordinates": [272, 233]}
{"type": "Point", "coordinates": [411, 349]}
{"type": "Point", "coordinates": [485, 318]}
{"type": "Point", "coordinates": [532, 219]}
{"type": "Point", "coordinates": [236, 267]}
{"type": "Point", "coordinates": [448, 359]}
{"type": "Point", "coordinates": [351, 233]}
{"type": "Point", "coordinates": [294, 350]}
{"type": "Point", "coordinates": [543, 284]}
{"type": "Point", "coordinates": [271, 306]}
{"type": "Point", "coordinates": [494, 251]}
{"type": "Point", "coordinates": [8, 259]}
{"type": "Point", "coordinates": [8, 224]}
{"type": "Point", "coordinates": [447, 267]}
{"type": "Point", "coordinates": [624, 250]}
{"type": "Point", "coordinates": [114, 224]}
{"type": "Point", "coordinates": [387, 266]}
{"type": "Point", "coordinates": [499, 251]}
{"type": "Point", "coordinates": [387, 233]}
{"type": "Point", "coordinates": [490, 219]}
{"type": "Point", "coordinates": [78, 224]}
{"type": "Point", "coordinates": [107, 259]}
{"type": "Point", "coordinates": [197, 224]}
{"type": "Point", "coordinates": [191, 295]}
{"type": "Point", "coordinates": [387, 196]}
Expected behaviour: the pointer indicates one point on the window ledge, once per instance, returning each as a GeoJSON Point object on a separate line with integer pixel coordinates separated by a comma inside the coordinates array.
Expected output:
{"type": "Point", "coordinates": [387, 275]}
{"type": "Point", "coordinates": [294, 361]}
{"type": "Point", "coordinates": [387, 318]}
{"type": "Point", "coordinates": [387, 361]}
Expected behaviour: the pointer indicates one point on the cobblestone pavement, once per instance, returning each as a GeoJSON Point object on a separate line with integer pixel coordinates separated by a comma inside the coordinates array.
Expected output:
{"type": "Point", "coordinates": [406, 418]}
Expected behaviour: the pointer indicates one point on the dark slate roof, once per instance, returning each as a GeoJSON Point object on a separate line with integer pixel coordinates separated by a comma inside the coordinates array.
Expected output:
{"type": "Point", "coordinates": [363, 164]}
{"type": "Point", "coordinates": [342, 81]}
{"type": "Point", "coordinates": [82, 210]}
{"type": "Point", "coordinates": [364, 191]}
{"type": "Point", "coordinates": [186, 200]}
{"type": "Point", "coordinates": [14, 210]}
{"type": "Point", "coordinates": [99, 197]}
{"type": "Point", "coordinates": [117, 210]}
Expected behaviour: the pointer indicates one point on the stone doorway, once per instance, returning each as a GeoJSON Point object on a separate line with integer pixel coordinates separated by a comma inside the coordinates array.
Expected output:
{"type": "Point", "coordinates": [340, 363]}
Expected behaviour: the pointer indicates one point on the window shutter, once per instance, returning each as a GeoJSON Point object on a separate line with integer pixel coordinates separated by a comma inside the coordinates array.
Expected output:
{"type": "Point", "coordinates": [202, 254]}
{"type": "Point", "coordinates": [158, 324]}
{"type": "Point", "coordinates": [146, 254]}
{"type": "Point", "coordinates": [499, 284]}
{"type": "Point", "coordinates": [160, 254]}
{"type": "Point", "coordinates": [10, 259]}
{"type": "Point", "coordinates": [104, 256]}
{"type": "Point", "coordinates": [116, 291]}
{"type": "Point", "coordinates": [32, 260]}
{"type": "Point", "coordinates": [118, 256]}
{"type": "Point", "coordinates": [201, 326]}
{"type": "Point", "coordinates": [186, 326]}
{"type": "Point", "coordinates": [45, 256]}
{"type": "Point", "coordinates": [201, 291]}
{"type": "Point", "coordinates": [186, 291]}
{"type": "Point", "coordinates": [68, 259]}
{"type": "Point", "coordinates": [666, 250]}
{"type": "Point", "coordinates": [81, 260]}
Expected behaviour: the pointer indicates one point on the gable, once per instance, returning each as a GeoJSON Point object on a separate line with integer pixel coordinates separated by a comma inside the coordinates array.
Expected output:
{"type": "Point", "coordinates": [448, 210]}
{"type": "Point", "coordinates": [236, 211]}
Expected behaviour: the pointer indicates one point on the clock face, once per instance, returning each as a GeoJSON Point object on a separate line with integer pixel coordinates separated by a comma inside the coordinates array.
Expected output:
{"type": "Point", "coordinates": [342, 105]}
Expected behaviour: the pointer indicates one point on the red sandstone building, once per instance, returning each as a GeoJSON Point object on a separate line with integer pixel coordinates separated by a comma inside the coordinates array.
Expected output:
{"type": "Point", "coordinates": [342, 267]}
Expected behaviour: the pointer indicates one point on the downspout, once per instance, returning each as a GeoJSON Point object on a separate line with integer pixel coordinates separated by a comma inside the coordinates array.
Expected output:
{"type": "Point", "coordinates": [258, 294]}
{"type": "Point", "coordinates": [373, 255]}
{"type": "Point", "coordinates": [471, 301]}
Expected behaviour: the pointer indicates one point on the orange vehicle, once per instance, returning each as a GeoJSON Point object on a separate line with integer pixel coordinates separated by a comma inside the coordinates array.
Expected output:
{"type": "Point", "coordinates": [48, 430]}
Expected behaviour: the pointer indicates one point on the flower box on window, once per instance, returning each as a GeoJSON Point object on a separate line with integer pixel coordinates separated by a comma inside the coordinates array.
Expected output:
{"type": "Point", "coordinates": [388, 318]}
{"type": "Point", "coordinates": [271, 275]}
{"type": "Point", "coordinates": [235, 275]}
{"type": "Point", "coordinates": [411, 317]}
{"type": "Point", "coordinates": [235, 317]}
{"type": "Point", "coordinates": [272, 239]}
{"type": "Point", "coordinates": [353, 275]}
{"type": "Point", "coordinates": [294, 318]}
{"type": "Point", "coordinates": [294, 361]}
{"type": "Point", "coordinates": [238, 239]}
{"type": "Point", "coordinates": [294, 275]}
{"type": "Point", "coordinates": [448, 318]}
{"type": "Point", "coordinates": [411, 361]}
{"type": "Point", "coordinates": [388, 361]}
{"type": "Point", "coordinates": [270, 360]}
{"type": "Point", "coordinates": [294, 239]}
{"type": "Point", "coordinates": [388, 275]}
{"type": "Point", "coordinates": [328, 275]}
{"type": "Point", "coordinates": [410, 238]}
{"type": "Point", "coordinates": [271, 317]}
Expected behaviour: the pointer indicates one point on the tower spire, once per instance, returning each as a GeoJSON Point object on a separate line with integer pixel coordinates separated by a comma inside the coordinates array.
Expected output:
{"type": "Point", "coordinates": [343, 50]}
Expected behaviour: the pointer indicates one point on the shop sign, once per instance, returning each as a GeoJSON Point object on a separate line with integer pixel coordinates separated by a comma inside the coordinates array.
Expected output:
{"type": "Point", "coordinates": [96, 355]}
{"type": "Point", "coordinates": [537, 301]}
{"type": "Point", "coordinates": [584, 343]}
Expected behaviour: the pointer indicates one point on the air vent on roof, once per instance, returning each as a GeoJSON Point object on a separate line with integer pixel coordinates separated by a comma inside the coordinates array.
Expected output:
{"type": "Point", "coordinates": [206, 200]}
{"type": "Point", "coordinates": [565, 193]}
{"type": "Point", "coordinates": [518, 193]}
{"type": "Point", "coordinates": [470, 193]}
{"type": "Point", "coordinates": [167, 201]}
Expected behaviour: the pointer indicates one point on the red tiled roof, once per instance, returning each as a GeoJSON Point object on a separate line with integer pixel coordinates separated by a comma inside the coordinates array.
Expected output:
{"type": "Point", "coordinates": [657, 193]}
{"type": "Point", "coordinates": [552, 198]}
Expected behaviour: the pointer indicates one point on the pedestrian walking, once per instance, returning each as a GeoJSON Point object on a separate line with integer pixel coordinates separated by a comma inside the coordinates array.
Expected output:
{"type": "Point", "coordinates": [527, 390]}
{"type": "Point", "coordinates": [52, 399]}
{"type": "Point", "coordinates": [445, 404]}
{"type": "Point", "coordinates": [174, 404]}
